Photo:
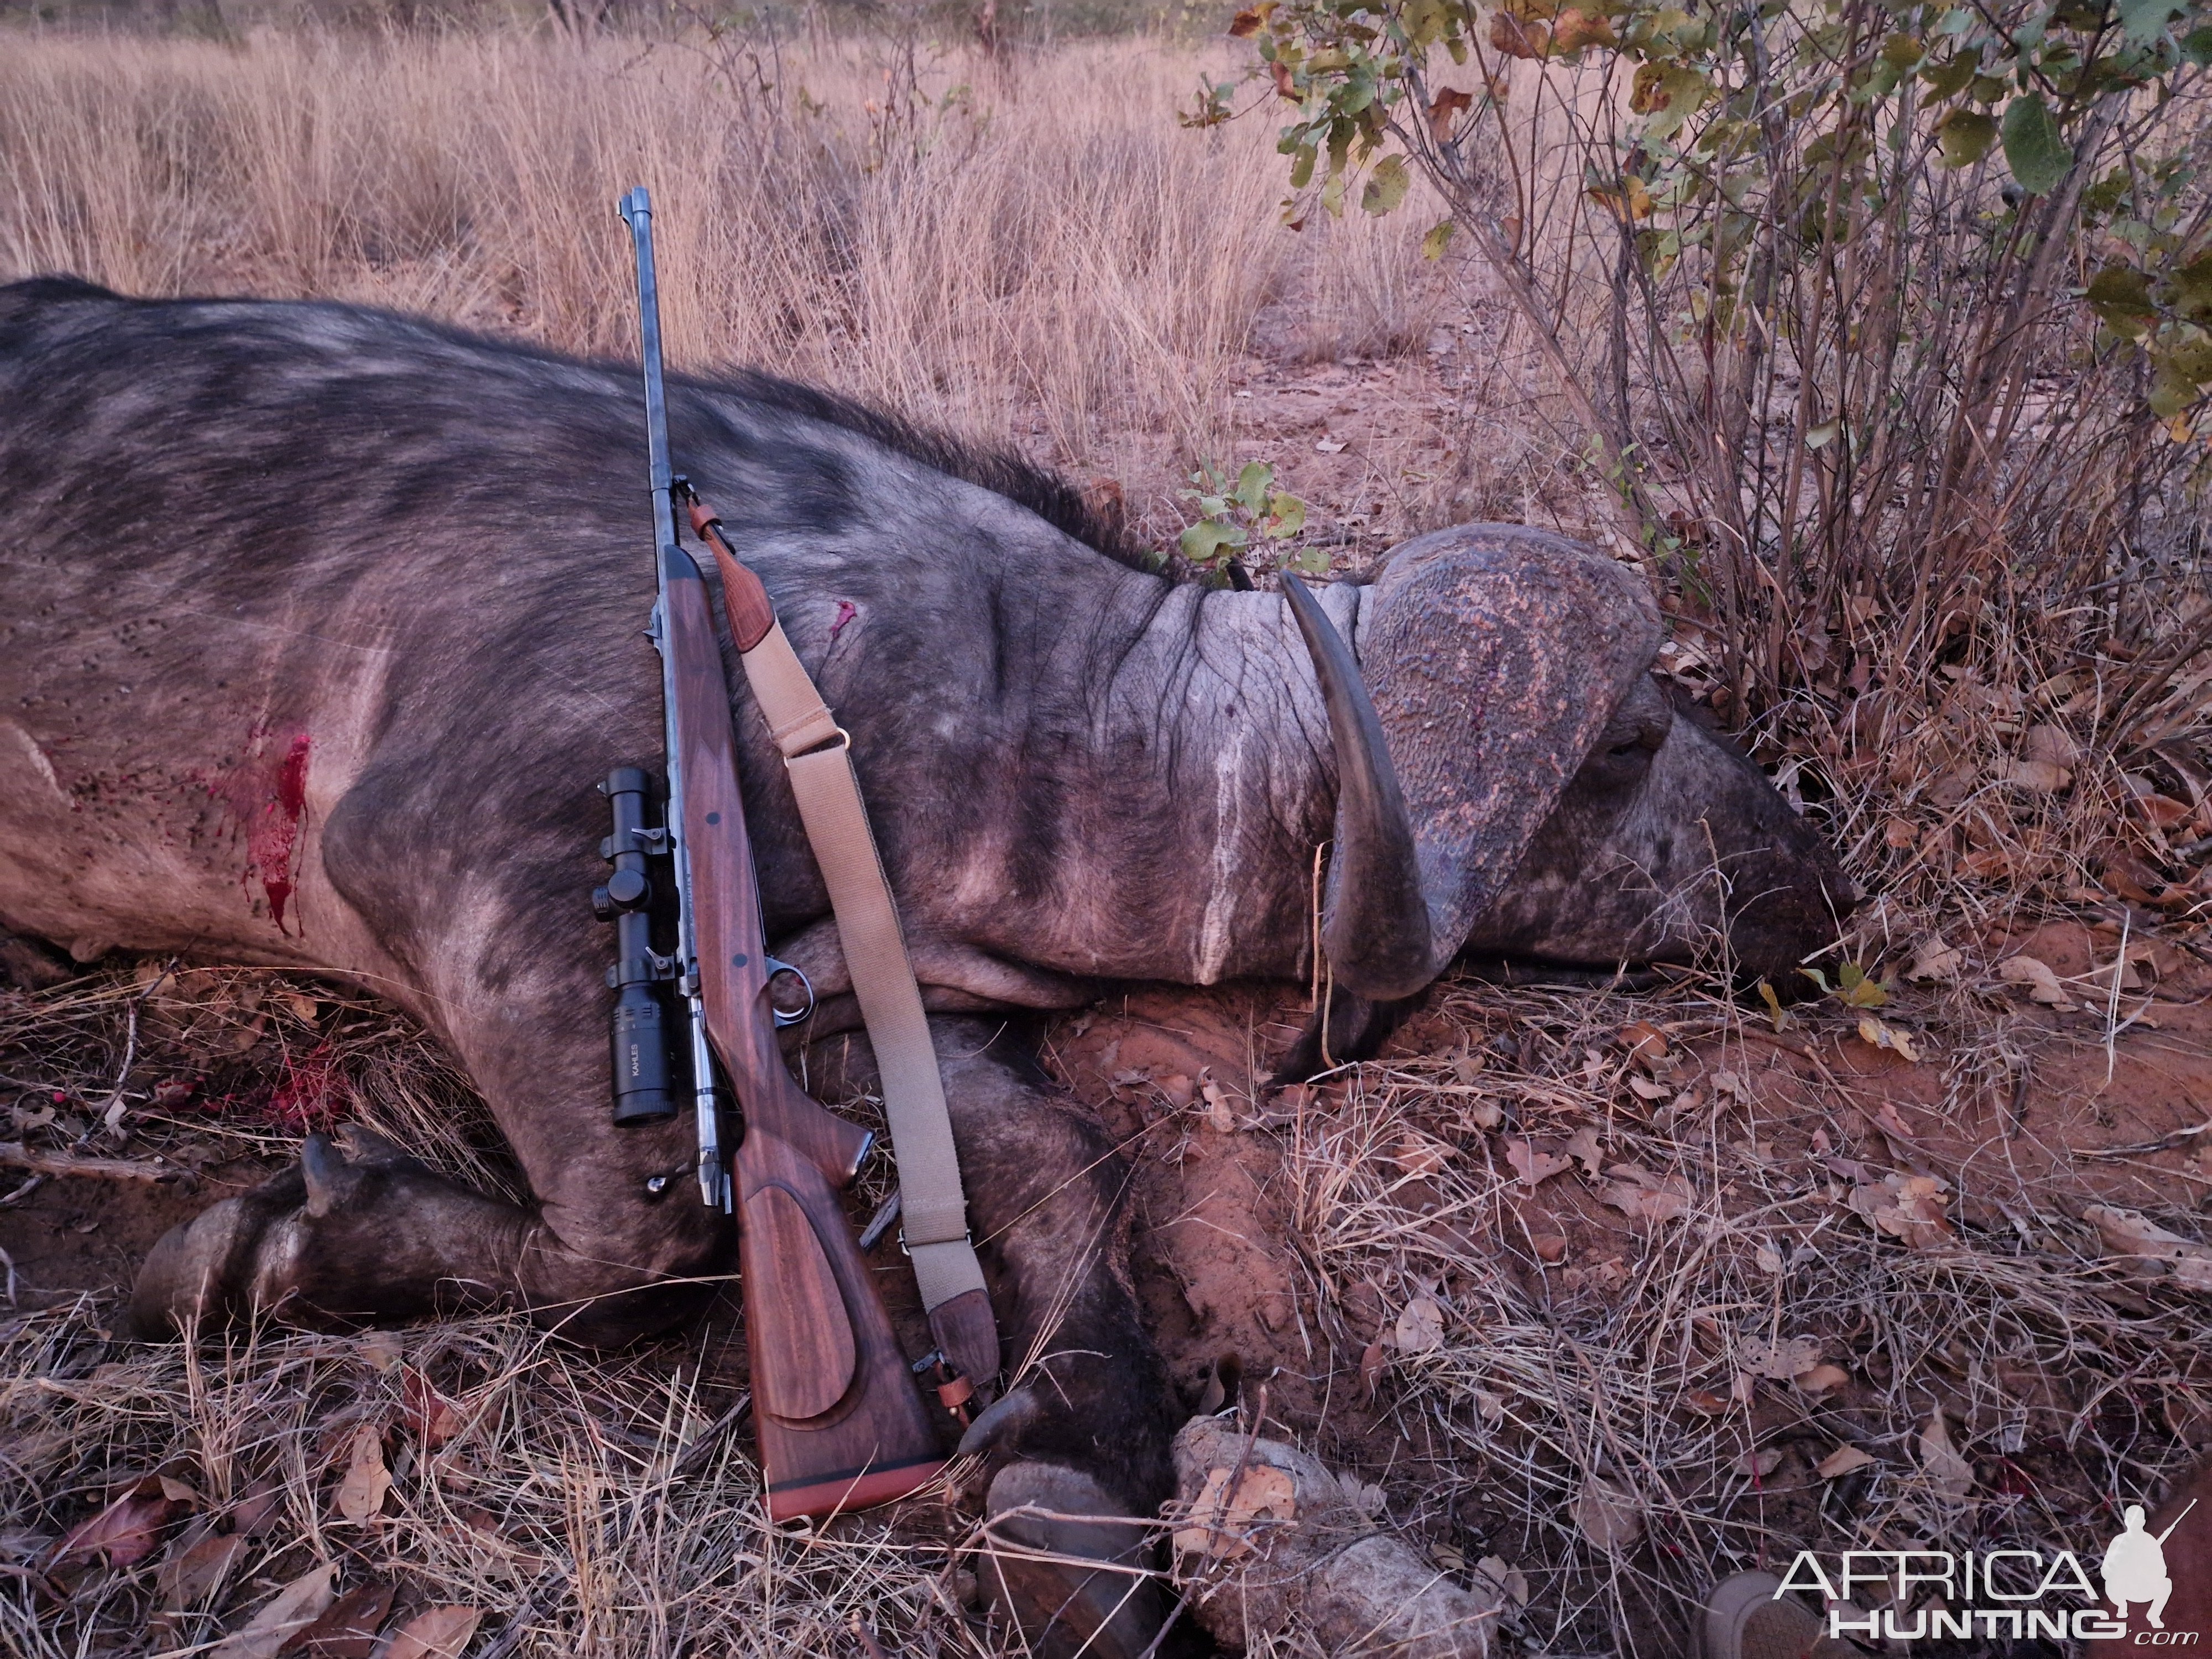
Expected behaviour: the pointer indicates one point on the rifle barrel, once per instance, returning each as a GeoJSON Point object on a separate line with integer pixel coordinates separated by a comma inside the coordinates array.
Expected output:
{"type": "Point", "coordinates": [715, 1191]}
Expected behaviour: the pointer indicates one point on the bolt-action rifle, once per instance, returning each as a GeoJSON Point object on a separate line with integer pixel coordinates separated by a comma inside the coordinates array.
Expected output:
{"type": "Point", "coordinates": [838, 1415]}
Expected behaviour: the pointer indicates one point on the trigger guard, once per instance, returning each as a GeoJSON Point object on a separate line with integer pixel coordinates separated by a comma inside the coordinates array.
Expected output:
{"type": "Point", "coordinates": [781, 1016]}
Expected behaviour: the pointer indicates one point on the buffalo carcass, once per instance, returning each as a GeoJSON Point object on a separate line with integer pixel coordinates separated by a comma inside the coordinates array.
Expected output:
{"type": "Point", "coordinates": [317, 624]}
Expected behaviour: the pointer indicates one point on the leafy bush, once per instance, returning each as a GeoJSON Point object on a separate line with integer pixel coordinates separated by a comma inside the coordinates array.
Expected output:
{"type": "Point", "coordinates": [1883, 320]}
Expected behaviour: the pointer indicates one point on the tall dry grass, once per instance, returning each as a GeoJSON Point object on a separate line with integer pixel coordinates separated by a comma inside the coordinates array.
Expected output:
{"type": "Point", "coordinates": [1029, 250]}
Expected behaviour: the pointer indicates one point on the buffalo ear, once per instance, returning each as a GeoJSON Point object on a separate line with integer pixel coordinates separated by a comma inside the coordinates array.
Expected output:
{"type": "Point", "coordinates": [1494, 654]}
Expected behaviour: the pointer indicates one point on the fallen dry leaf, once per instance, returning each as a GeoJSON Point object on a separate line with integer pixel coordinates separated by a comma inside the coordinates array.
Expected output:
{"type": "Point", "coordinates": [2163, 810]}
{"type": "Point", "coordinates": [1759, 1464]}
{"type": "Point", "coordinates": [1372, 1359]}
{"type": "Point", "coordinates": [1934, 960]}
{"type": "Point", "coordinates": [1880, 1034]}
{"type": "Point", "coordinates": [1582, 1145]}
{"type": "Point", "coordinates": [1643, 1040]}
{"type": "Point", "coordinates": [1420, 1329]}
{"type": "Point", "coordinates": [1551, 1247]}
{"type": "Point", "coordinates": [126, 1531]}
{"type": "Point", "coordinates": [1952, 1475]}
{"type": "Point", "coordinates": [1179, 1090]}
{"type": "Point", "coordinates": [1608, 1514]}
{"type": "Point", "coordinates": [2052, 744]}
{"type": "Point", "coordinates": [438, 1633]}
{"type": "Point", "coordinates": [2036, 974]}
{"type": "Point", "coordinates": [1821, 1379]}
{"type": "Point", "coordinates": [2037, 777]}
{"type": "Point", "coordinates": [1507, 1579]}
{"type": "Point", "coordinates": [360, 1494]}
{"type": "Point", "coordinates": [1533, 1166]}
{"type": "Point", "coordinates": [2152, 1251]}
{"type": "Point", "coordinates": [1907, 1207]}
{"type": "Point", "coordinates": [1642, 1196]}
{"type": "Point", "coordinates": [1490, 1408]}
{"type": "Point", "coordinates": [1218, 1117]}
{"type": "Point", "coordinates": [431, 1418]}
{"type": "Point", "coordinates": [1778, 1361]}
{"type": "Point", "coordinates": [1892, 1123]}
{"type": "Point", "coordinates": [382, 1349]}
{"type": "Point", "coordinates": [194, 1576]}
{"type": "Point", "coordinates": [1842, 1460]}
{"type": "Point", "coordinates": [291, 1609]}
{"type": "Point", "coordinates": [1734, 1084]}
{"type": "Point", "coordinates": [1706, 1403]}
{"type": "Point", "coordinates": [1417, 1154]}
{"type": "Point", "coordinates": [1222, 1519]}
{"type": "Point", "coordinates": [348, 1627]}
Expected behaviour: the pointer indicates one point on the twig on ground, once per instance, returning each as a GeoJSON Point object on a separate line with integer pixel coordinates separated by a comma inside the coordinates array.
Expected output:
{"type": "Point", "coordinates": [15, 1154]}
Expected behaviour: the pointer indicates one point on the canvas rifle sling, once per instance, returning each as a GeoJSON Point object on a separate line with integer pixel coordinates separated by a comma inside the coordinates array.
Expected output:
{"type": "Point", "coordinates": [932, 1207]}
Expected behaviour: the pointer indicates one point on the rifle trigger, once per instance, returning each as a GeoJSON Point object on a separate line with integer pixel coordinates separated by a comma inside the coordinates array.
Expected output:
{"type": "Point", "coordinates": [783, 1017]}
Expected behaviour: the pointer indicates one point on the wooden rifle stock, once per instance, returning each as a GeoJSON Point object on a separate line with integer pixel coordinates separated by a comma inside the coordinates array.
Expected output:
{"type": "Point", "coordinates": [838, 1414]}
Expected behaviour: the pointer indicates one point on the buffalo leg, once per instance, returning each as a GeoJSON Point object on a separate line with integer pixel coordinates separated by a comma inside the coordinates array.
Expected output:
{"type": "Point", "coordinates": [614, 1246]}
{"type": "Point", "coordinates": [1084, 1426]}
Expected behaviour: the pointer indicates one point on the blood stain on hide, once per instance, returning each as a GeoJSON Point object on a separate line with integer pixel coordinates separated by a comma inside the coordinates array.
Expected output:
{"type": "Point", "coordinates": [846, 612]}
{"type": "Point", "coordinates": [267, 793]}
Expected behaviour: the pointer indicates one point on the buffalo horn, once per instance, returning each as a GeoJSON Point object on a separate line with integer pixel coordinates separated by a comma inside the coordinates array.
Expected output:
{"type": "Point", "coordinates": [1375, 931]}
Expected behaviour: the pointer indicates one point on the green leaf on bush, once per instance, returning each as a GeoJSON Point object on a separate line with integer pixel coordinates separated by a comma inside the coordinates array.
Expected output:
{"type": "Point", "coordinates": [1949, 79]}
{"type": "Point", "coordinates": [1856, 989]}
{"type": "Point", "coordinates": [2171, 392]}
{"type": "Point", "coordinates": [1438, 238]}
{"type": "Point", "coordinates": [2192, 289]}
{"type": "Point", "coordinates": [2035, 151]}
{"type": "Point", "coordinates": [1965, 136]}
{"type": "Point", "coordinates": [2122, 298]}
{"type": "Point", "coordinates": [1386, 186]}
{"type": "Point", "coordinates": [2144, 20]}
{"type": "Point", "coordinates": [1203, 542]}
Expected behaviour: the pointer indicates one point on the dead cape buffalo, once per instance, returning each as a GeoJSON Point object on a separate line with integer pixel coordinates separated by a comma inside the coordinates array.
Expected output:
{"type": "Point", "coordinates": [318, 625]}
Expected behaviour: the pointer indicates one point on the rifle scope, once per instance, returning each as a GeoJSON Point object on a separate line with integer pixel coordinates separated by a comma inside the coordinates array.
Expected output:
{"type": "Point", "coordinates": [640, 1020]}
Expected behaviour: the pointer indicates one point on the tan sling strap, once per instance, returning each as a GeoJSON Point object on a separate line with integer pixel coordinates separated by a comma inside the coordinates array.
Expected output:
{"type": "Point", "coordinates": [816, 753]}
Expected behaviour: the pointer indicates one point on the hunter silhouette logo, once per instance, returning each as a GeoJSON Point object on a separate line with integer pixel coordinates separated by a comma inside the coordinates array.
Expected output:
{"type": "Point", "coordinates": [2135, 1566]}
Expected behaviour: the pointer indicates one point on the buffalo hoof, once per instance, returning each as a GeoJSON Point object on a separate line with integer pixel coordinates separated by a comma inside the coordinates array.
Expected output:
{"type": "Point", "coordinates": [358, 1230]}
{"type": "Point", "coordinates": [223, 1263]}
{"type": "Point", "coordinates": [1049, 1523]}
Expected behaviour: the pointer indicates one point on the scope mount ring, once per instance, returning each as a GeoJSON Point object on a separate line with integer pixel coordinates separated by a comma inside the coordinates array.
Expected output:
{"type": "Point", "coordinates": [776, 970]}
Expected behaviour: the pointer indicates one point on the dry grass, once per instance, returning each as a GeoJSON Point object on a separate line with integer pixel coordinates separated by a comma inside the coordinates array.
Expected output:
{"type": "Point", "coordinates": [586, 1502]}
{"type": "Point", "coordinates": [567, 1497]}
{"type": "Point", "coordinates": [1030, 250]}
{"type": "Point", "coordinates": [1616, 1374]}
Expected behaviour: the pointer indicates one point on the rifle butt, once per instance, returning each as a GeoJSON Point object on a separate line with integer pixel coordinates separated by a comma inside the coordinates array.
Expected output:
{"type": "Point", "coordinates": [839, 1417]}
